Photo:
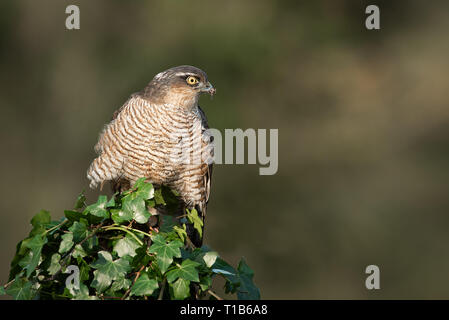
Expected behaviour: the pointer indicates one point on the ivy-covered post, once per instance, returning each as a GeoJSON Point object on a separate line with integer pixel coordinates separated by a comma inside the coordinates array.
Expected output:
{"type": "Point", "coordinates": [119, 255]}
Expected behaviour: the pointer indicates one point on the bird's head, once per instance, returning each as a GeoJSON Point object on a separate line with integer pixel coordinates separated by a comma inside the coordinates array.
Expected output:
{"type": "Point", "coordinates": [180, 86]}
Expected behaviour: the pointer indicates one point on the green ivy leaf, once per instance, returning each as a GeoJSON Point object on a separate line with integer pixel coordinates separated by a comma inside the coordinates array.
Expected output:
{"type": "Point", "coordinates": [138, 184]}
{"type": "Point", "coordinates": [26, 260]}
{"type": "Point", "coordinates": [165, 251]}
{"type": "Point", "coordinates": [144, 190]}
{"type": "Point", "coordinates": [182, 232]}
{"type": "Point", "coordinates": [120, 215]}
{"type": "Point", "coordinates": [98, 209]}
{"type": "Point", "coordinates": [66, 243]}
{"type": "Point", "coordinates": [79, 230]}
{"type": "Point", "coordinates": [180, 289]}
{"type": "Point", "coordinates": [41, 219]}
{"type": "Point", "coordinates": [222, 267]}
{"type": "Point", "coordinates": [141, 258]}
{"type": "Point", "coordinates": [80, 201]}
{"type": "Point", "coordinates": [15, 263]}
{"type": "Point", "coordinates": [158, 197]}
{"type": "Point", "coordinates": [83, 293]}
{"type": "Point", "coordinates": [84, 269]}
{"type": "Point", "coordinates": [35, 245]}
{"type": "Point", "coordinates": [106, 264]}
{"type": "Point", "coordinates": [210, 258]}
{"type": "Point", "coordinates": [196, 220]}
{"type": "Point", "coordinates": [55, 226]}
{"type": "Point", "coordinates": [78, 252]}
{"type": "Point", "coordinates": [55, 266]}
{"type": "Point", "coordinates": [144, 286]}
{"type": "Point", "coordinates": [108, 270]}
{"type": "Point", "coordinates": [120, 284]}
{"type": "Point", "coordinates": [111, 202]}
{"type": "Point", "coordinates": [90, 244]}
{"type": "Point", "coordinates": [101, 281]}
{"type": "Point", "coordinates": [137, 209]}
{"type": "Point", "coordinates": [187, 271]}
{"type": "Point", "coordinates": [247, 290]}
{"type": "Point", "coordinates": [205, 283]}
{"type": "Point", "coordinates": [73, 215]}
{"type": "Point", "coordinates": [21, 289]}
{"type": "Point", "coordinates": [126, 246]}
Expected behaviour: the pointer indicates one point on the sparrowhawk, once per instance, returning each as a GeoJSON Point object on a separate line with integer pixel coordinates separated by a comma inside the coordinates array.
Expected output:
{"type": "Point", "coordinates": [160, 133]}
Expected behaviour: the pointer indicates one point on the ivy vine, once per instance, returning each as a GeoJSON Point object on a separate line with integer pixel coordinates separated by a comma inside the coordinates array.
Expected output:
{"type": "Point", "coordinates": [120, 251]}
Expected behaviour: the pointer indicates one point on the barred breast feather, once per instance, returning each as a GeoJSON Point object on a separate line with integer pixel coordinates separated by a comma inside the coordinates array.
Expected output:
{"type": "Point", "coordinates": [165, 143]}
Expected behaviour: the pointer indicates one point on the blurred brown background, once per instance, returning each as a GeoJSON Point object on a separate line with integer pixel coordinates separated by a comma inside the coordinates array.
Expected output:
{"type": "Point", "coordinates": [363, 119]}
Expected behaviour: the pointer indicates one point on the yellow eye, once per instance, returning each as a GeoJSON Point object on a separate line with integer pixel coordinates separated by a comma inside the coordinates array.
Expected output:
{"type": "Point", "coordinates": [192, 80]}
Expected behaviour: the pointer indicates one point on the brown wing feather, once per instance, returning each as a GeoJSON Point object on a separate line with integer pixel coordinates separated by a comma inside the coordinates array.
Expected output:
{"type": "Point", "coordinates": [208, 174]}
{"type": "Point", "coordinates": [207, 179]}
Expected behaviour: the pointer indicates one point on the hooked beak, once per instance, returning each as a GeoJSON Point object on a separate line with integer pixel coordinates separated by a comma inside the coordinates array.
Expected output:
{"type": "Point", "coordinates": [209, 89]}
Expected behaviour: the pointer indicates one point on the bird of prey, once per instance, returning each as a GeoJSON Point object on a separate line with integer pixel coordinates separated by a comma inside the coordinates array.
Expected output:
{"type": "Point", "coordinates": [160, 133]}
